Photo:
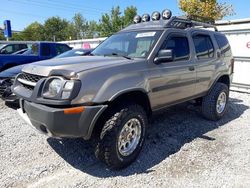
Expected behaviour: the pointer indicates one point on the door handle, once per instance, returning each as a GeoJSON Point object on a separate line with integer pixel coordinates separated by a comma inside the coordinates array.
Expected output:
{"type": "Point", "coordinates": [191, 68]}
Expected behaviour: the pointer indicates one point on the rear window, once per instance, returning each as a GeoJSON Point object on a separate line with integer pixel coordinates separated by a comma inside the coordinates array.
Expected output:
{"type": "Point", "coordinates": [203, 46]}
{"type": "Point", "coordinates": [223, 45]}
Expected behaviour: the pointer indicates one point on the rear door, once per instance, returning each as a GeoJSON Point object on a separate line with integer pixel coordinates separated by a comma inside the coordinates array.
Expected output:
{"type": "Point", "coordinates": [206, 58]}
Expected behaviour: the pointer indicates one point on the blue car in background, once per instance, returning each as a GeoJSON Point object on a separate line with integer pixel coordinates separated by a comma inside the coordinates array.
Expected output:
{"type": "Point", "coordinates": [36, 51]}
{"type": "Point", "coordinates": [7, 77]}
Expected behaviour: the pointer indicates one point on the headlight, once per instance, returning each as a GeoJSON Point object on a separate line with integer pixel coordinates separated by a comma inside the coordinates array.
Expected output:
{"type": "Point", "coordinates": [59, 88]}
{"type": "Point", "coordinates": [54, 87]}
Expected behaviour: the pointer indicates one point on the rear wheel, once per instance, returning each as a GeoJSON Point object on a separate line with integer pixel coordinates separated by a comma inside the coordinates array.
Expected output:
{"type": "Point", "coordinates": [214, 105]}
{"type": "Point", "coordinates": [122, 136]}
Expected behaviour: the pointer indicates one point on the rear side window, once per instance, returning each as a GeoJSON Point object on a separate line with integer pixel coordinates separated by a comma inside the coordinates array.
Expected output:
{"type": "Point", "coordinates": [45, 50]}
{"type": "Point", "coordinates": [223, 45]}
{"type": "Point", "coordinates": [203, 46]}
{"type": "Point", "coordinates": [60, 48]}
{"type": "Point", "coordinates": [180, 47]}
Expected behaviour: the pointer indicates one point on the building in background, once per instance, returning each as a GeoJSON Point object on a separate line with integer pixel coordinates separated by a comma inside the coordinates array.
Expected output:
{"type": "Point", "coordinates": [238, 34]}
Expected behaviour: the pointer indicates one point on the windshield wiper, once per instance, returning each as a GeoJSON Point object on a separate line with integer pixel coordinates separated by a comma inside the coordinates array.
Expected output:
{"type": "Point", "coordinates": [118, 55]}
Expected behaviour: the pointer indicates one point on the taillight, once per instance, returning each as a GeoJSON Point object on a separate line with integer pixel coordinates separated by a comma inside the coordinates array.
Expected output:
{"type": "Point", "coordinates": [232, 66]}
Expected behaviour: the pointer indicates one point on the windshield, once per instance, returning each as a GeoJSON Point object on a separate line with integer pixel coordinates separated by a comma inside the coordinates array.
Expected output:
{"type": "Point", "coordinates": [128, 44]}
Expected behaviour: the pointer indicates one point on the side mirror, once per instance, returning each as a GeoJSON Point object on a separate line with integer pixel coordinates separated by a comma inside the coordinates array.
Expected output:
{"type": "Point", "coordinates": [164, 56]}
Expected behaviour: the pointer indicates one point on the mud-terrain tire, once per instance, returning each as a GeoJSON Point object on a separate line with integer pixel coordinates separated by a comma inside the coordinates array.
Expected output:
{"type": "Point", "coordinates": [122, 136]}
{"type": "Point", "coordinates": [214, 105]}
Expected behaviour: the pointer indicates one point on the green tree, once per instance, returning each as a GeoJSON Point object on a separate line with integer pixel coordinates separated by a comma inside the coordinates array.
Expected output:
{"type": "Point", "coordinates": [129, 14]}
{"type": "Point", "coordinates": [17, 37]}
{"type": "Point", "coordinates": [1, 35]}
{"type": "Point", "coordinates": [205, 10]}
{"type": "Point", "coordinates": [80, 26]}
{"type": "Point", "coordinates": [93, 29]}
{"type": "Point", "coordinates": [34, 32]}
{"type": "Point", "coordinates": [56, 29]}
{"type": "Point", "coordinates": [113, 22]}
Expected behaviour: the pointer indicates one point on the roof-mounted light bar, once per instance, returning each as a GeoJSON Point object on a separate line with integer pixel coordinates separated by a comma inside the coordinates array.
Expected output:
{"type": "Point", "coordinates": [166, 14]}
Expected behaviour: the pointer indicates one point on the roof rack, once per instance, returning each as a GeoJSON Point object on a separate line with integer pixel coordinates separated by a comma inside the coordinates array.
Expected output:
{"type": "Point", "coordinates": [183, 23]}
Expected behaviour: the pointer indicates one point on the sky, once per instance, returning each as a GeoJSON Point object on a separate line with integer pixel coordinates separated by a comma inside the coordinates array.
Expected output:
{"type": "Point", "coordinates": [23, 12]}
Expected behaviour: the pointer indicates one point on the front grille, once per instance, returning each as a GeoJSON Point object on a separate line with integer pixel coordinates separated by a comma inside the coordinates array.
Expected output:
{"type": "Point", "coordinates": [28, 81]}
{"type": "Point", "coordinates": [30, 77]}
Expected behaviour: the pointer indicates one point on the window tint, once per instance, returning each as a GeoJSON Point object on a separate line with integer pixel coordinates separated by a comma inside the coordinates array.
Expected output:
{"type": "Point", "coordinates": [60, 48]}
{"type": "Point", "coordinates": [203, 46]}
{"type": "Point", "coordinates": [45, 50]}
{"type": "Point", "coordinates": [223, 45]}
{"type": "Point", "coordinates": [180, 47]}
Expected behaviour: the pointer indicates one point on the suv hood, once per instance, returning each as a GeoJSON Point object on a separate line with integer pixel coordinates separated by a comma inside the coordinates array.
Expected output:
{"type": "Point", "coordinates": [72, 64]}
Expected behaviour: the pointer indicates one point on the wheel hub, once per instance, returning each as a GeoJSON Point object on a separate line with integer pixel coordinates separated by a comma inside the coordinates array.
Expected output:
{"type": "Point", "coordinates": [129, 137]}
{"type": "Point", "coordinates": [221, 102]}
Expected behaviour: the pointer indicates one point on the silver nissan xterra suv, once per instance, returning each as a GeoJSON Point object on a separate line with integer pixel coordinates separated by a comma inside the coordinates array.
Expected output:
{"type": "Point", "coordinates": [109, 95]}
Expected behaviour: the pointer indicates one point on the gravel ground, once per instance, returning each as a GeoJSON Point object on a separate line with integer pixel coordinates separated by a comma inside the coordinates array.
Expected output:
{"type": "Point", "coordinates": [182, 150]}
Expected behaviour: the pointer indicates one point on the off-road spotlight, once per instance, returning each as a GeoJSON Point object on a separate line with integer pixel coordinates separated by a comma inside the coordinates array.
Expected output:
{"type": "Point", "coordinates": [145, 18]}
{"type": "Point", "coordinates": [137, 19]}
{"type": "Point", "coordinates": [166, 14]}
{"type": "Point", "coordinates": [156, 16]}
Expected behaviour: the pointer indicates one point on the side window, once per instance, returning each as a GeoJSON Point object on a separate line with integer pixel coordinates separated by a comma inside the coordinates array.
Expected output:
{"type": "Point", "coordinates": [180, 47]}
{"type": "Point", "coordinates": [45, 50]}
{"type": "Point", "coordinates": [60, 48]}
{"type": "Point", "coordinates": [223, 45]}
{"type": "Point", "coordinates": [203, 46]}
{"type": "Point", "coordinates": [9, 49]}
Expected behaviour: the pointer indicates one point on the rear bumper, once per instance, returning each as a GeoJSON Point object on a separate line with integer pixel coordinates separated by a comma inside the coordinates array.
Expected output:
{"type": "Point", "coordinates": [55, 123]}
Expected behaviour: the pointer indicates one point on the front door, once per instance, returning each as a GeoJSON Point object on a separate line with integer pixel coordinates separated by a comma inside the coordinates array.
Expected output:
{"type": "Point", "coordinates": [178, 76]}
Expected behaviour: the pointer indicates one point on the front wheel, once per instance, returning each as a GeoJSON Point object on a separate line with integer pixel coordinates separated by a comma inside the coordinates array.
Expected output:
{"type": "Point", "coordinates": [122, 136]}
{"type": "Point", "coordinates": [214, 105]}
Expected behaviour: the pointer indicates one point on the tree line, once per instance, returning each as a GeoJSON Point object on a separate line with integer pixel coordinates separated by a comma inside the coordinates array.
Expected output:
{"type": "Point", "coordinates": [59, 29]}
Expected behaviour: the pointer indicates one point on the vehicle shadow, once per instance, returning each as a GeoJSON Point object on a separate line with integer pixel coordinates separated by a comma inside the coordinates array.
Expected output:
{"type": "Point", "coordinates": [170, 130]}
